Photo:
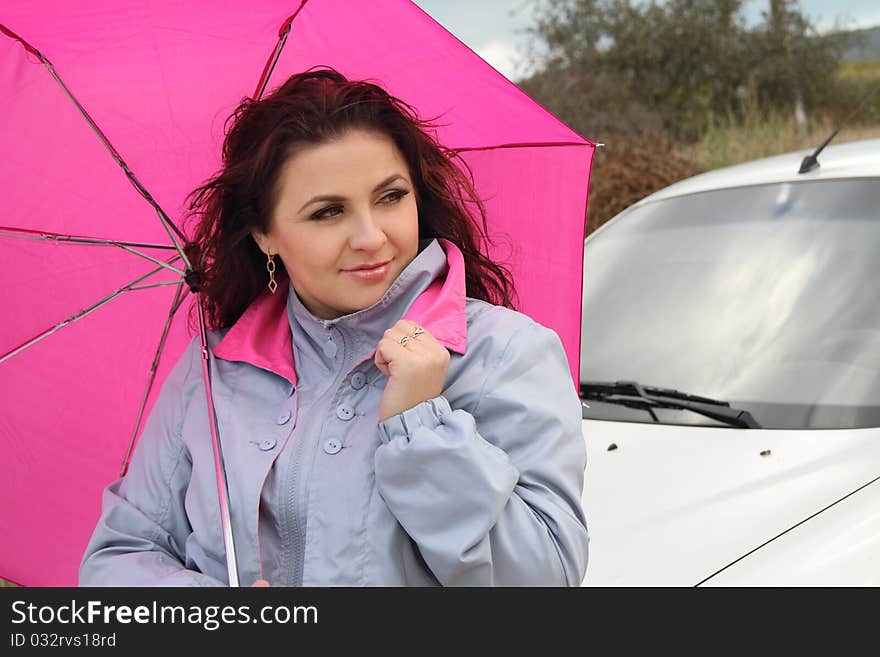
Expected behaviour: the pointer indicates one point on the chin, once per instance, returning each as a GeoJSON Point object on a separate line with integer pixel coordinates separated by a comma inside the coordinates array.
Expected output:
{"type": "Point", "coordinates": [352, 306]}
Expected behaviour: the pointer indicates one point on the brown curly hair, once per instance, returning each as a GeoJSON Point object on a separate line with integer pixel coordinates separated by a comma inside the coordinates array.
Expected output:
{"type": "Point", "coordinates": [311, 108]}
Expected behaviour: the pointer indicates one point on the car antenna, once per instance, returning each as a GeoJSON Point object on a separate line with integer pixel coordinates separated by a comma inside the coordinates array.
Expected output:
{"type": "Point", "coordinates": [810, 162]}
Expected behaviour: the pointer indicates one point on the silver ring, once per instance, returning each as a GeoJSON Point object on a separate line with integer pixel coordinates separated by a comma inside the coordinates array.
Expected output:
{"type": "Point", "coordinates": [419, 330]}
{"type": "Point", "coordinates": [404, 340]}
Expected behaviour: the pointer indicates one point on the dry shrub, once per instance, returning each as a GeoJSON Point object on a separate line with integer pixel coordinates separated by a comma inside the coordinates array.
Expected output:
{"type": "Point", "coordinates": [628, 168]}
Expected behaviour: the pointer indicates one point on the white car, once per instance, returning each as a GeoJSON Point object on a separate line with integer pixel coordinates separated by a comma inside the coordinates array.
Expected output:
{"type": "Point", "coordinates": [730, 375]}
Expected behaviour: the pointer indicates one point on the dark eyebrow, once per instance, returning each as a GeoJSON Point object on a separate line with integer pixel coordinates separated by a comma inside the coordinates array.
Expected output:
{"type": "Point", "coordinates": [334, 198]}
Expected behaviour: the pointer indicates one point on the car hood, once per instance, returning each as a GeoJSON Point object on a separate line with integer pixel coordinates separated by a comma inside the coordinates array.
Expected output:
{"type": "Point", "coordinates": [674, 505]}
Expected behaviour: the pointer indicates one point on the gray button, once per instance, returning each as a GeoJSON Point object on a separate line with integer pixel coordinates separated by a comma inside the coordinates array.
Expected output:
{"type": "Point", "coordinates": [344, 412]}
{"type": "Point", "coordinates": [330, 347]}
{"type": "Point", "coordinates": [267, 443]}
{"type": "Point", "coordinates": [358, 380]}
{"type": "Point", "coordinates": [283, 417]}
{"type": "Point", "coordinates": [332, 446]}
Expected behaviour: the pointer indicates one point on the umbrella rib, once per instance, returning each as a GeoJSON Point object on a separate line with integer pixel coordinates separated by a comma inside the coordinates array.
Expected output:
{"type": "Point", "coordinates": [97, 242]}
{"type": "Point", "coordinates": [536, 144]}
{"type": "Point", "coordinates": [276, 53]}
{"type": "Point", "coordinates": [45, 236]}
{"type": "Point", "coordinates": [150, 258]}
{"type": "Point", "coordinates": [79, 315]}
{"type": "Point", "coordinates": [175, 304]}
{"type": "Point", "coordinates": [152, 285]}
{"type": "Point", "coordinates": [169, 226]}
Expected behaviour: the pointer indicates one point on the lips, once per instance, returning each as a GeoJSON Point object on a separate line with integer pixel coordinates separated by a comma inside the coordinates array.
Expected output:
{"type": "Point", "coordinates": [369, 267]}
{"type": "Point", "coordinates": [370, 275]}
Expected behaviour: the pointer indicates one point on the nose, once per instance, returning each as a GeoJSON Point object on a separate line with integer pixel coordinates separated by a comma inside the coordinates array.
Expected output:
{"type": "Point", "coordinates": [367, 234]}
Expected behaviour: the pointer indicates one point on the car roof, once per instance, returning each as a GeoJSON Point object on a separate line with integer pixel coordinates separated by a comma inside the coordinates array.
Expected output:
{"type": "Point", "coordinates": [858, 159]}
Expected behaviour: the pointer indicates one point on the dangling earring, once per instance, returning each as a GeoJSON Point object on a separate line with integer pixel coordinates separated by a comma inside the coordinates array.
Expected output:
{"type": "Point", "coordinates": [270, 267]}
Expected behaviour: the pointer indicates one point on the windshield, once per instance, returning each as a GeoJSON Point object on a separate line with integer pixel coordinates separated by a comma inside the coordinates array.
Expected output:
{"type": "Point", "coordinates": [767, 297]}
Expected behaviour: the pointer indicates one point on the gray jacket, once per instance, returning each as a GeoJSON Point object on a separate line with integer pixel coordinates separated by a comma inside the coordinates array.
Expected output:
{"type": "Point", "coordinates": [480, 486]}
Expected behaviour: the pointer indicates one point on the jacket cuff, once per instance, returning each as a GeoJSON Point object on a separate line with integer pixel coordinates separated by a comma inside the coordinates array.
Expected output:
{"type": "Point", "coordinates": [425, 414]}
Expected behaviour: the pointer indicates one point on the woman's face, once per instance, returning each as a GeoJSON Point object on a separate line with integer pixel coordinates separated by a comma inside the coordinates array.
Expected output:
{"type": "Point", "coordinates": [342, 205]}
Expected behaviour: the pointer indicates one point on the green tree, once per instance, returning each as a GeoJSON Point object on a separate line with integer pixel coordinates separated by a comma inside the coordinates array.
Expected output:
{"type": "Point", "coordinates": [635, 67]}
{"type": "Point", "coordinates": [793, 65]}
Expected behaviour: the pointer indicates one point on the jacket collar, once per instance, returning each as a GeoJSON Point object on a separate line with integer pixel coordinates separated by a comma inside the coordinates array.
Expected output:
{"type": "Point", "coordinates": [262, 336]}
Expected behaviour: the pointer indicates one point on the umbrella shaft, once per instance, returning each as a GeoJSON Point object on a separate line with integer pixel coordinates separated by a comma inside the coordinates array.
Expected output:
{"type": "Point", "coordinates": [219, 468]}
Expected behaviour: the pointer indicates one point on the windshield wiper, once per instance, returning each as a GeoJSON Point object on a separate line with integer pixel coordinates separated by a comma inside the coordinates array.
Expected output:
{"type": "Point", "coordinates": [635, 395]}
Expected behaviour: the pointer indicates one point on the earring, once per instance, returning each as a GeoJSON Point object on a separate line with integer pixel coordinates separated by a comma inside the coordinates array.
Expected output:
{"type": "Point", "coordinates": [270, 267]}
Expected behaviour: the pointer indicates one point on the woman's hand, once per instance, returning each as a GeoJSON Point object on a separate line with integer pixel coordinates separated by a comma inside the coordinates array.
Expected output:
{"type": "Point", "coordinates": [416, 370]}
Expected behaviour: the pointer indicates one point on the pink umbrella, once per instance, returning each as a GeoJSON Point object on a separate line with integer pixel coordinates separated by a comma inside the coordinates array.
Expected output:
{"type": "Point", "coordinates": [90, 271]}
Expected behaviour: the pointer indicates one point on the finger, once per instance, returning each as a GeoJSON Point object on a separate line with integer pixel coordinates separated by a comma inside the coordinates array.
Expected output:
{"type": "Point", "coordinates": [419, 334]}
{"type": "Point", "coordinates": [388, 352]}
{"type": "Point", "coordinates": [395, 357]}
{"type": "Point", "coordinates": [416, 343]}
{"type": "Point", "coordinates": [398, 335]}
{"type": "Point", "coordinates": [393, 348]}
{"type": "Point", "coordinates": [384, 351]}
{"type": "Point", "coordinates": [380, 359]}
{"type": "Point", "coordinates": [409, 327]}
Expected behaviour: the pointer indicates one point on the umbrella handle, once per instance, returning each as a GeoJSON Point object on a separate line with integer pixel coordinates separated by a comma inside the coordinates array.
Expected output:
{"type": "Point", "coordinates": [219, 468]}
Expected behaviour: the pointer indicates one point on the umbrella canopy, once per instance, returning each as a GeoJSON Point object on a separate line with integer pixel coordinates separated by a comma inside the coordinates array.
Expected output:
{"type": "Point", "coordinates": [85, 254]}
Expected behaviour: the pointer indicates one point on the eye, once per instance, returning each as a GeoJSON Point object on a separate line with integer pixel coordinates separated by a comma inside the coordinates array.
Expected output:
{"type": "Point", "coordinates": [394, 195]}
{"type": "Point", "coordinates": [326, 213]}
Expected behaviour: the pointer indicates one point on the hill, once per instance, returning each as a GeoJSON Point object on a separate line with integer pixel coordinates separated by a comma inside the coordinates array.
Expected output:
{"type": "Point", "coordinates": [860, 45]}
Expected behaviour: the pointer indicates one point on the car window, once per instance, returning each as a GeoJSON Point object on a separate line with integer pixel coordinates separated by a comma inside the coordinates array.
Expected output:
{"type": "Point", "coordinates": [767, 297]}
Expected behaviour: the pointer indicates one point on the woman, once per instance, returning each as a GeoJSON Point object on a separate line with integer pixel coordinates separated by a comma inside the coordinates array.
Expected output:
{"type": "Point", "coordinates": [386, 417]}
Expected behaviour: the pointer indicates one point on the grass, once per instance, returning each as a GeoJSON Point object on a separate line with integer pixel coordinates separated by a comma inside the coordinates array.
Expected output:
{"type": "Point", "coordinates": [860, 71]}
{"type": "Point", "coordinates": [758, 134]}
{"type": "Point", "coordinates": [730, 143]}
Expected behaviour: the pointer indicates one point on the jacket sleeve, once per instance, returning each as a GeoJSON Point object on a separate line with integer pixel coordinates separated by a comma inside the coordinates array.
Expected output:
{"type": "Point", "coordinates": [140, 537]}
{"type": "Point", "coordinates": [492, 497]}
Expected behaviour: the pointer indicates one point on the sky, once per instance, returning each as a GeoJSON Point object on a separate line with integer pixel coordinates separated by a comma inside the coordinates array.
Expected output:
{"type": "Point", "coordinates": [494, 28]}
